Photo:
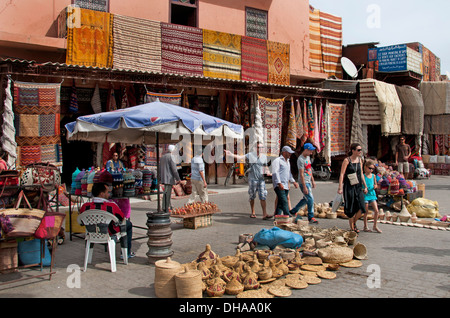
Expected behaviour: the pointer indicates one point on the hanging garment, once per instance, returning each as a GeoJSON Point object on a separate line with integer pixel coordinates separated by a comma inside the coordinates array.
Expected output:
{"type": "Point", "coordinates": [323, 127]}
{"type": "Point", "coordinates": [316, 128]}
{"type": "Point", "coordinates": [291, 137]}
{"type": "Point", "coordinates": [95, 101]}
{"type": "Point", "coordinates": [272, 116]}
{"type": "Point", "coordinates": [310, 120]}
{"type": "Point", "coordinates": [299, 120]}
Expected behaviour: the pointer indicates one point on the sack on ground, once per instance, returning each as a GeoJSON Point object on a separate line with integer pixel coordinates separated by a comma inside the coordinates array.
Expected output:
{"type": "Point", "coordinates": [277, 236]}
{"type": "Point", "coordinates": [424, 208]}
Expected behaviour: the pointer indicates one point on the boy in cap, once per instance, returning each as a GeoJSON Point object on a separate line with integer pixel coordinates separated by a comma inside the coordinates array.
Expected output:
{"type": "Point", "coordinates": [281, 176]}
{"type": "Point", "coordinates": [306, 182]}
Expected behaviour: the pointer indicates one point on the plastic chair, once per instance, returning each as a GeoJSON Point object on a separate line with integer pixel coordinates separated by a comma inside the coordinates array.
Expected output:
{"type": "Point", "coordinates": [96, 223]}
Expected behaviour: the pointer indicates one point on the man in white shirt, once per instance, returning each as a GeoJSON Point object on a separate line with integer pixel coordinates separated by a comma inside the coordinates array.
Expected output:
{"type": "Point", "coordinates": [281, 176]}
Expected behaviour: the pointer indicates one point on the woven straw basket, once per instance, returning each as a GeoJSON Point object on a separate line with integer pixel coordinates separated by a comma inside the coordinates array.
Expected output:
{"type": "Point", "coordinates": [165, 271]}
{"type": "Point", "coordinates": [335, 255]}
{"type": "Point", "coordinates": [189, 284]}
{"type": "Point", "coordinates": [360, 251]}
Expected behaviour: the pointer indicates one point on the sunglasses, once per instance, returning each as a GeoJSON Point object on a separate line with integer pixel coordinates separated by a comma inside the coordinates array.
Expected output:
{"type": "Point", "coordinates": [359, 150]}
{"type": "Point", "coordinates": [371, 168]}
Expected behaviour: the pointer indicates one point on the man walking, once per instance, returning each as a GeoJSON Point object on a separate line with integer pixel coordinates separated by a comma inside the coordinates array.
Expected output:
{"type": "Point", "coordinates": [281, 176]}
{"type": "Point", "coordinates": [169, 176]}
{"type": "Point", "coordinates": [199, 185]}
{"type": "Point", "coordinates": [256, 183]}
{"type": "Point", "coordinates": [306, 182]}
{"type": "Point", "coordinates": [402, 154]}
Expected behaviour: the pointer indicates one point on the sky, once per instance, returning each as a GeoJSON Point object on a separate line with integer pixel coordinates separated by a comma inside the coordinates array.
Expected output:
{"type": "Point", "coordinates": [391, 22]}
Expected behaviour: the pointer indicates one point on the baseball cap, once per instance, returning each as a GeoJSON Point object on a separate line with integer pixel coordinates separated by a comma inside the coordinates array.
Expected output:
{"type": "Point", "coordinates": [287, 149]}
{"type": "Point", "coordinates": [309, 146]}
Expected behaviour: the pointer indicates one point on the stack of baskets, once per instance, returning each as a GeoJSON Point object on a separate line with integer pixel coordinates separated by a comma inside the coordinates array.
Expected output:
{"type": "Point", "coordinates": [128, 184]}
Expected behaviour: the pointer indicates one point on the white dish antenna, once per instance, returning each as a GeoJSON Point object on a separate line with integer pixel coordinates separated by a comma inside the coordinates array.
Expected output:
{"type": "Point", "coordinates": [349, 67]}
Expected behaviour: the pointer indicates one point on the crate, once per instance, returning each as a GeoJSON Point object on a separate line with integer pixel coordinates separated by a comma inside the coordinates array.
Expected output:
{"type": "Point", "coordinates": [198, 221]}
{"type": "Point", "coordinates": [414, 195]}
{"type": "Point", "coordinates": [9, 260]}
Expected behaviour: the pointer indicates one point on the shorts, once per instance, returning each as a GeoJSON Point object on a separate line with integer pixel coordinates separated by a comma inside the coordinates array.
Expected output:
{"type": "Point", "coordinates": [403, 167]}
{"type": "Point", "coordinates": [257, 186]}
{"type": "Point", "coordinates": [369, 201]}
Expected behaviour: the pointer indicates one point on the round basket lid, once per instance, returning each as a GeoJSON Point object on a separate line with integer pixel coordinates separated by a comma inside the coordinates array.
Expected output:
{"type": "Point", "coordinates": [167, 263]}
{"type": "Point", "coordinates": [188, 273]}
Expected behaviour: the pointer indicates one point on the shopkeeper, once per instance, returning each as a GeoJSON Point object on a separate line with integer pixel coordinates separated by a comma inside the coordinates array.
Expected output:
{"type": "Point", "coordinates": [402, 154]}
{"type": "Point", "coordinates": [114, 164]}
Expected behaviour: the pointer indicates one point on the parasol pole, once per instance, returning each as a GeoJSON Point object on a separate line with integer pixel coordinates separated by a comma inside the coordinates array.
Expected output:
{"type": "Point", "coordinates": [158, 172]}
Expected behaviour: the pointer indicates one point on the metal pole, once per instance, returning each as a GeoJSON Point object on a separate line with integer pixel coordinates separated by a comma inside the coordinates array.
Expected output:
{"type": "Point", "coordinates": [158, 172]}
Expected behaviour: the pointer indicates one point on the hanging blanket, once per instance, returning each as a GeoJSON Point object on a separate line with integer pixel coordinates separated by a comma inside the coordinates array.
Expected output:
{"type": "Point", "coordinates": [323, 127]}
{"type": "Point", "coordinates": [279, 63]}
{"type": "Point", "coordinates": [181, 49]}
{"type": "Point", "coordinates": [436, 97]}
{"type": "Point", "coordinates": [369, 108]}
{"type": "Point", "coordinates": [310, 116]}
{"type": "Point", "coordinates": [221, 55]}
{"type": "Point", "coordinates": [137, 44]}
{"type": "Point", "coordinates": [9, 144]}
{"type": "Point", "coordinates": [315, 45]}
{"type": "Point", "coordinates": [298, 120]}
{"type": "Point", "coordinates": [174, 99]}
{"type": "Point", "coordinates": [331, 40]}
{"type": "Point", "coordinates": [437, 125]}
{"type": "Point", "coordinates": [412, 110]}
{"type": "Point", "coordinates": [254, 59]}
{"type": "Point", "coordinates": [37, 115]}
{"type": "Point", "coordinates": [390, 108]}
{"type": "Point", "coordinates": [356, 129]}
{"type": "Point", "coordinates": [272, 116]}
{"type": "Point", "coordinates": [316, 128]}
{"type": "Point", "coordinates": [90, 43]}
{"type": "Point", "coordinates": [291, 137]}
{"type": "Point", "coordinates": [337, 129]}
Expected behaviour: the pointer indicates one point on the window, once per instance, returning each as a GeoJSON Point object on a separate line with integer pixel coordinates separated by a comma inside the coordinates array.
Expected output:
{"type": "Point", "coordinates": [184, 12]}
{"type": "Point", "coordinates": [97, 5]}
{"type": "Point", "coordinates": [256, 23]}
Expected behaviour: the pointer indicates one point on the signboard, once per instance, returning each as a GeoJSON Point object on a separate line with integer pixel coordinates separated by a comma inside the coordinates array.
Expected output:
{"type": "Point", "coordinates": [396, 58]}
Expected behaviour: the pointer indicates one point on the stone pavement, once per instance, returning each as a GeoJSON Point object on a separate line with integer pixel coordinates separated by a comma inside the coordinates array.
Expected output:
{"type": "Point", "coordinates": [411, 262]}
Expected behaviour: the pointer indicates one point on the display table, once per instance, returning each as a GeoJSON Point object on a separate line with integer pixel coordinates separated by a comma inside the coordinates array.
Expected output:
{"type": "Point", "coordinates": [195, 221]}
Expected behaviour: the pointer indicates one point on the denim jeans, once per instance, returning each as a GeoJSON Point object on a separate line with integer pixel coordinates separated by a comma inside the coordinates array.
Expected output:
{"type": "Point", "coordinates": [307, 199]}
{"type": "Point", "coordinates": [282, 204]}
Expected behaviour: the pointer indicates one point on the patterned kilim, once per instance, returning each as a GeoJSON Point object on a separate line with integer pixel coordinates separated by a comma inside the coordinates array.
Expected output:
{"type": "Point", "coordinates": [331, 39]}
{"type": "Point", "coordinates": [181, 50]}
{"type": "Point", "coordinates": [279, 63]}
{"type": "Point", "coordinates": [369, 108]}
{"type": "Point", "coordinates": [291, 137]}
{"type": "Point", "coordinates": [98, 5]}
{"type": "Point", "coordinates": [137, 44]}
{"type": "Point", "coordinates": [412, 110]}
{"type": "Point", "coordinates": [174, 99]}
{"type": "Point", "coordinates": [254, 59]}
{"type": "Point", "coordinates": [299, 119]}
{"type": "Point", "coordinates": [272, 117]}
{"type": "Point", "coordinates": [310, 117]}
{"type": "Point", "coordinates": [390, 108]}
{"type": "Point", "coordinates": [90, 41]}
{"type": "Point", "coordinates": [221, 55]}
{"type": "Point", "coordinates": [37, 118]}
{"type": "Point", "coordinates": [315, 44]}
{"type": "Point", "coordinates": [256, 23]}
{"type": "Point", "coordinates": [337, 129]}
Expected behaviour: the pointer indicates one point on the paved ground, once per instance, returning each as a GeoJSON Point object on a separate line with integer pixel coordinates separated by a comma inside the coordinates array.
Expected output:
{"type": "Point", "coordinates": [412, 262]}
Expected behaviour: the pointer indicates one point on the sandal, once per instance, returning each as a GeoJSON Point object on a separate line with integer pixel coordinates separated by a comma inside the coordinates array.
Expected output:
{"type": "Point", "coordinates": [355, 229]}
{"type": "Point", "coordinates": [367, 230]}
{"type": "Point", "coordinates": [253, 216]}
{"type": "Point", "coordinates": [267, 217]}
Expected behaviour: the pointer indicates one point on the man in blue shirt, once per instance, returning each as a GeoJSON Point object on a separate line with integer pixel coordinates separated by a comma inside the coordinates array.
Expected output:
{"type": "Point", "coordinates": [281, 176]}
{"type": "Point", "coordinates": [256, 183]}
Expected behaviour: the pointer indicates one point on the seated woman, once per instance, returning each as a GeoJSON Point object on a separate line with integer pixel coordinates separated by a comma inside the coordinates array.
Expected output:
{"type": "Point", "coordinates": [100, 201]}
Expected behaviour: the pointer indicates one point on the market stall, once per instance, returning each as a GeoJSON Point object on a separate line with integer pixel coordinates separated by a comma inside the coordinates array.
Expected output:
{"type": "Point", "coordinates": [154, 123]}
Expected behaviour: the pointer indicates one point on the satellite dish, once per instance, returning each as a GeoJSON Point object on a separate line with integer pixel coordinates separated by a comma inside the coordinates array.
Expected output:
{"type": "Point", "coordinates": [349, 67]}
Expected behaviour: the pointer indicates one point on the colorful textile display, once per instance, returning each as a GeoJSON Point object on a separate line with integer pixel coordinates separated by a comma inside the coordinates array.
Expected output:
{"type": "Point", "coordinates": [221, 55]}
{"type": "Point", "coordinates": [90, 43]}
{"type": "Point", "coordinates": [331, 39]}
{"type": "Point", "coordinates": [272, 116]}
{"type": "Point", "coordinates": [279, 63]}
{"type": "Point", "coordinates": [256, 24]}
{"type": "Point", "coordinates": [305, 118]}
{"type": "Point", "coordinates": [181, 50]}
{"type": "Point", "coordinates": [310, 118]}
{"type": "Point", "coordinates": [323, 127]}
{"type": "Point", "coordinates": [337, 129]}
{"type": "Point", "coordinates": [137, 44]}
{"type": "Point", "coordinates": [412, 110]}
{"type": "Point", "coordinates": [98, 5]}
{"type": "Point", "coordinates": [315, 44]}
{"type": "Point", "coordinates": [356, 129]}
{"type": "Point", "coordinates": [174, 99]}
{"type": "Point", "coordinates": [316, 127]}
{"type": "Point", "coordinates": [390, 108]}
{"type": "Point", "coordinates": [299, 119]}
{"type": "Point", "coordinates": [254, 60]}
{"type": "Point", "coordinates": [37, 115]}
{"type": "Point", "coordinates": [291, 138]}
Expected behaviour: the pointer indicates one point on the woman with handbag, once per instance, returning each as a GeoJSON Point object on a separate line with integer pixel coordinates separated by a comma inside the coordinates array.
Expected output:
{"type": "Point", "coordinates": [351, 181]}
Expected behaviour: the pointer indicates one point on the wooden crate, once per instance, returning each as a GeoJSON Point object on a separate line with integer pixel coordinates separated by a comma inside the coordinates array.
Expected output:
{"type": "Point", "coordinates": [8, 258]}
{"type": "Point", "coordinates": [198, 221]}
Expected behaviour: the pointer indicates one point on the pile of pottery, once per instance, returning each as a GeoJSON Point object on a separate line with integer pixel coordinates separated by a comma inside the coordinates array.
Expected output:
{"type": "Point", "coordinates": [196, 208]}
{"type": "Point", "coordinates": [267, 273]}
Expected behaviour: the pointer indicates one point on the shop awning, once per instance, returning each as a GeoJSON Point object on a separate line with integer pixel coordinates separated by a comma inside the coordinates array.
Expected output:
{"type": "Point", "coordinates": [412, 110]}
